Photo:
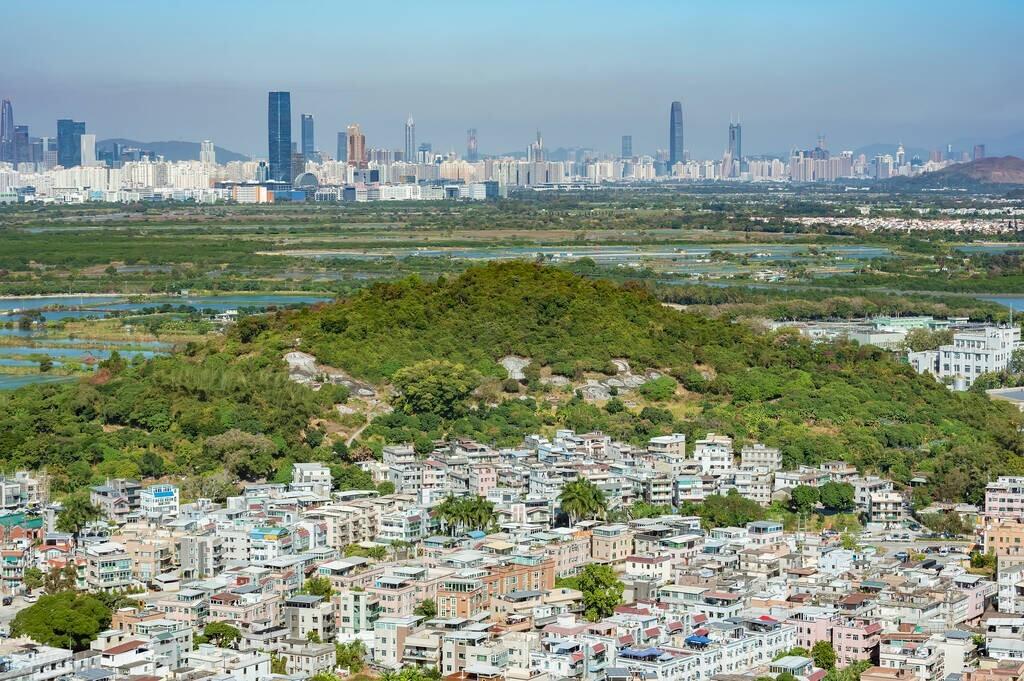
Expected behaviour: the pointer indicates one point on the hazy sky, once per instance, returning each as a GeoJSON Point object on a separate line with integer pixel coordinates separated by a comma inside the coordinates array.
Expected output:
{"type": "Point", "coordinates": [584, 73]}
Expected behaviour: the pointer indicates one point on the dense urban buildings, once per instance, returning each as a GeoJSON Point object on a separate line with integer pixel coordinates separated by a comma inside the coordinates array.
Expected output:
{"type": "Point", "coordinates": [77, 167]}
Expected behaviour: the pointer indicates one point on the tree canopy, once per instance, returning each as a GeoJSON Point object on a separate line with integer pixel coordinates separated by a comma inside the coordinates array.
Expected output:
{"type": "Point", "coordinates": [601, 589]}
{"type": "Point", "coordinates": [64, 620]}
{"type": "Point", "coordinates": [581, 499]}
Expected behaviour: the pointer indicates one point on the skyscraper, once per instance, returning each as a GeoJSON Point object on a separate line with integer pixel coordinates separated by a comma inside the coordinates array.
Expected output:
{"type": "Point", "coordinates": [6, 131]}
{"type": "Point", "coordinates": [207, 152]}
{"type": "Point", "coordinates": [279, 135]}
{"type": "Point", "coordinates": [342, 154]}
{"type": "Point", "coordinates": [308, 139]}
{"type": "Point", "coordinates": [979, 152]}
{"type": "Point", "coordinates": [410, 139]}
{"type": "Point", "coordinates": [736, 144]}
{"type": "Point", "coordinates": [69, 142]}
{"type": "Point", "coordinates": [472, 152]}
{"type": "Point", "coordinates": [22, 147]}
{"type": "Point", "coordinates": [675, 134]}
{"type": "Point", "coordinates": [87, 155]}
{"type": "Point", "coordinates": [535, 152]}
{"type": "Point", "coordinates": [356, 146]}
{"type": "Point", "coordinates": [627, 146]}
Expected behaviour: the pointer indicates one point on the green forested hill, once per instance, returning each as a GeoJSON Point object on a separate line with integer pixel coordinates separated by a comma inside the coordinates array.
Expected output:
{"type": "Point", "coordinates": [559, 320]}
{"type": "Point", "coordinates": [190, 415]}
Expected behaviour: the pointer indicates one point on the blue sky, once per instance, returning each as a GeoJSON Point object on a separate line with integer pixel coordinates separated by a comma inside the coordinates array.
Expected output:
{"type": "Point", "coordinates": [584, 73]}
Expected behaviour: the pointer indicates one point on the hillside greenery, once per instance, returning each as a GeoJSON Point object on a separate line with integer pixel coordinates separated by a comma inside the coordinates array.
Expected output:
{"type": "Point", "coordinates": [226, 411]}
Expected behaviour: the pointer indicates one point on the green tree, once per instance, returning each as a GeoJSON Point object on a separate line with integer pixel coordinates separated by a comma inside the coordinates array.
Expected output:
{"type": "Point", "coordinates": [601, 589]}
{"type": "Point", "coordinates": [464, 514]}
{"type": "Point", "coordinates": [33, 578]}
{"type": "Point", "coordinates": [728, 510]}
{"type": "Point", "coordinates": [434, 386]}
{"type": "Point", "coordinates": [642, 509]}
{"type": "Point", "coordinates": [221, 634]}
{"type": "Point", "coordinates": [797, 651]}
{"type": "Point", "coordinates": [824, 655]}
{"type": "Point", "coordinates": [426, 608]}
{"type": "Point", "coordinates": [151, 464]}
{"type": "Point", "coordinates": [313, 636]}
{"type": "Point", "coordinates": [318, 586]}
{"type": "Point", "coordinates": [926, 339]}
{"type": "Point", "coordinates": [1016, 365]}
{"type": "Point", "coordinates": [64, 620]}
{"type": "Point", "coordinates": [838, 496]}
{"type": "Point", "coordinates": [250, 457]}
{"type": "Point", "coordinates": [803, 498]}
{"type": "Point", "coordinates": [60, 579]}
{"type": "Point", "coordinates": [76, 512]}
{"type": "Point", "coordinates": [351, 656]}
{"type": "Point", "coordinates": [278, 664]}
{"type": "Point", "coordinates": [659, 389]}
{"type": "Point", "coordinates": [582, 499]}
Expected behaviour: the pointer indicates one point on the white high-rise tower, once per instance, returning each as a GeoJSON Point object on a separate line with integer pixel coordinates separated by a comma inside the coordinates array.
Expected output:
{"type": "Point", "coordinates": [207, 154]}
{"type": "Point", "coordinates": [410, 140]}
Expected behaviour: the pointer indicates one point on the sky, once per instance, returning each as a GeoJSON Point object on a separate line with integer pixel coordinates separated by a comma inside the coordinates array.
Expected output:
{"type": "Point", "coordinates": [583, 72]}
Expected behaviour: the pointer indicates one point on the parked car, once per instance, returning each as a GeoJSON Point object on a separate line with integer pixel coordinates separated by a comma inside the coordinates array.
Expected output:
{"type": "Point", "coordinates": [8, 600]}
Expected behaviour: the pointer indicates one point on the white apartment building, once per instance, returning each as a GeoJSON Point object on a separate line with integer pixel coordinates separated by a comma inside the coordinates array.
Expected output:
{"type": "Point", "coordinates": [314, 477]}
{"type": "Point", "coordinates": [759, 458]}
{"type": "Point", "coordinates": [972, 353]}
{"type": "Point", "coordinates": [1004, 498]}
{"type": "Point", "coordinates": [107, 567]}
{"type": "Point", "coordinates": [250, 665]}
{"type": "Point", "coordinates": [673, 445]}
{"type": "Point", "coordinates": [714, 454]}
{"type": "Point", "coordinates": [158, 501]}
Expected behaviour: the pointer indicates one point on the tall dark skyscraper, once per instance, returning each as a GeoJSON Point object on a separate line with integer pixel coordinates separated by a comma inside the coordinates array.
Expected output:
{"type": "Point", "coordinates": [69, 142]}
{"type": "Point", "coordinates": [22, 148]}
{"type": "Point", "coordinates": [342, 147]}
{"type": "Point", "coordinates": [472, 152]}
{"type": "Point", "coordinates": [308, 139]}
{"type": "Point", "coordinates": [627, 146]}
{"type": "Point", "coordinates": [6, 131]}
{"type": "Point", "coordinates": [279, 136]}
{"type": "Point", "coordinates": [675, 134]}
{"type": "Point", "coordinates": [736, 143]}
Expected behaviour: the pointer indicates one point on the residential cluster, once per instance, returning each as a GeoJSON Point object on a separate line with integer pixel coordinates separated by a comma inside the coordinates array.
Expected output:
{"type": "Point", "coordinates": [698, 603]}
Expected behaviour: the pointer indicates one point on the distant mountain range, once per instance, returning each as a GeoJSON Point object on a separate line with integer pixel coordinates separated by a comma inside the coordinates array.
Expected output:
{"type": "Point", "coordinates": [173, 150]}
{"type": "Point", "coordinates": [1003, 171]}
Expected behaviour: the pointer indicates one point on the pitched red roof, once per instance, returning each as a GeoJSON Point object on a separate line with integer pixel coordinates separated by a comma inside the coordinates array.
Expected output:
{"type": "Point", "coordinates": [124, 647]}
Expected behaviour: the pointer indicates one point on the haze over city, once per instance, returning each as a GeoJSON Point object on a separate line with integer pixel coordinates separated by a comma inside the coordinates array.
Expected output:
{"type": "Point", "coordinates": [924, 73]}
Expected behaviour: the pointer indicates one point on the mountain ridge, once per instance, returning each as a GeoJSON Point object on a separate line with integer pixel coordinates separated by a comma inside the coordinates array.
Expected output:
{"type": "Point", "coordinates": [173, 150]}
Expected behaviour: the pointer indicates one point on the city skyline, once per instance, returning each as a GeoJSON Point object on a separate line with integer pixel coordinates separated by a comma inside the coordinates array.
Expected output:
{"type": "Point", "coordinates": [933, 82]}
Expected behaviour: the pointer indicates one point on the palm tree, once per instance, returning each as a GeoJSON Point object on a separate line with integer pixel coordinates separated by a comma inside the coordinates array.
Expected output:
{"type": "Point", "coordinates": [466, 513]}
{"type": "Point", "coordinates": [582, 499]}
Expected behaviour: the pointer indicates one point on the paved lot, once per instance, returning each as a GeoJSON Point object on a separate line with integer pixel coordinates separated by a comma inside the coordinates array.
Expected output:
{"type": "Point", "coordinates": [7, 613]}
